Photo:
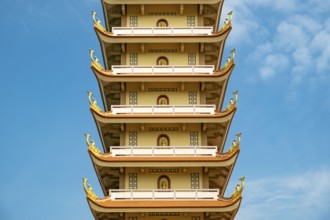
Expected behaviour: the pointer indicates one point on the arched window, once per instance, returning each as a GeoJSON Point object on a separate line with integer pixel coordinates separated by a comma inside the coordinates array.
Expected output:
{"type": "Point", "coordinates": [164, 182]}
{"type": "Point", "coordinates": [162, 23]}
{"type": "Point", "coordinates": [163, 140]}
{"type": "Point", "coordinates": [162, 61]}
{"type": "Point", "coordinates": [162, 100]}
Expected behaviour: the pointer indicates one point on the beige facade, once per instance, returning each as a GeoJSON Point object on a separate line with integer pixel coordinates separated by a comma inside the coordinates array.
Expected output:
{"type": "Point", "coordinates": [163, 127]}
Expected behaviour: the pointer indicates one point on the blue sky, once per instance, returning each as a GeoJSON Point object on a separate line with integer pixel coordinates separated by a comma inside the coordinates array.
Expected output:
{"type": "Point", "coordinates": [282, 74]}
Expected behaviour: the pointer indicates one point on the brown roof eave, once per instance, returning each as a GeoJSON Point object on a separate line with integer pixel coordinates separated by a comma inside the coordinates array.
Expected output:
{"type": "Point", "coordinates": [208, 38]}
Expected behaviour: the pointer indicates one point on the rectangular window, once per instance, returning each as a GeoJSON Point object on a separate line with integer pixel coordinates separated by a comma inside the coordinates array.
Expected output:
{"type": "Point", "coordinates": [192, 98]}
{"type": "Point", "coordinates": [194, 138]}
{"type": "Point", "coordinates": [133, 21]}
{"type": "Point", "coordinates": [132, 180]}
{"type": "Point", "coordinates": [194, 180]}
{"type": "Point", "coordinates": [132, 136]}
{"type": "Point", "coordinates": [133, 98]}
{"type": "Point", "coordinates": [191, 59]}
{"type": "Point", "coordinates": [133, 59]}
{"type": "Point", "coordinates": [190, 21]}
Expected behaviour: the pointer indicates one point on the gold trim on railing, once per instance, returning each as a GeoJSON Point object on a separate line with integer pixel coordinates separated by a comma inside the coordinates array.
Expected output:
{"type": "Point", "coordinates": [235, 145]}
{"type": "Point", "coordinates": [93, 103]}
{"type": "Point", "coordinates": [89, 190]}
{"type": "Point", "coordinates": [232, 102]}
{"type": "Point", "coordinates": [239, 190]}
{"type": "Point", "coordinates": [97, 22]}
{"type": "Point", "coordinates": [91, 145]}
{"type": "Point", "coordinates": [95, 60]}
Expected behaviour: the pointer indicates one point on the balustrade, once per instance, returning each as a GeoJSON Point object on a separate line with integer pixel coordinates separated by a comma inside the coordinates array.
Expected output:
{"type": "Point", "coordinates": [189, 69]}
{"type": "Point", "coordinates": [163, 109]}
{"type": "Point", "coordinates": [154, 151]}
{"type": "Point", "coordinates": [162, 30]}
{"type": "Point", "coordinates": [164, 194]}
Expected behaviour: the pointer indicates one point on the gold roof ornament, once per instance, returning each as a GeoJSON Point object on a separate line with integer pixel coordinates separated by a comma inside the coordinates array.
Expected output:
{"type": "Point", "coordinates": [238, 190]}
{"type": "Point", "coordinates": [233, 54]}
{"type": "Point", "coordinates": [227, 22]}
{"type": "Point", "coordinates": [232, 102]}
{"type": "Point", "coordinates": [97, 22]}
{"type": "Point", "coordinates": [229, 60]}
{"type": "Point", "coordinates": [91, 145]}
{"type": "Point", "coordinates": [230, 14]}
{"type": "Point", "coordinates": [93, 103]}
{"type": "Point", "coordinates": [235, 145]}
{"type": "Point", "coordinates": [95, 60]}
{"type": "Point", "coordinates": [89, 190]}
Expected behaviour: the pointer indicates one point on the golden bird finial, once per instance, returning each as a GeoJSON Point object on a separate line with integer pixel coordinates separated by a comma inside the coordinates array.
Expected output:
{"type": "Point", "coordinates": [95, 60]}
{"type": "Point", "coordinates": [230, 60]}
{"type": "Point", "coordinates": [89, 190]}
{"type": "Point", "coordinates": [232, 102]}
{"type": "Point", "coordinates": [93, 102]}
{"type": "Point", "coordinates": [97, 22]}
{"type": "Point", "coordinates": [233, 54]}
{"type": "Point", "coordinates": [227, 22]}
{"type": "Point", "coordinates": [238, 190]}
{"type": "Point", "coordinates": [230, 14]}
{"type": "Point", "coordinates": [235, 145]}
{"type": "Point", "coordinates": [91, 145]}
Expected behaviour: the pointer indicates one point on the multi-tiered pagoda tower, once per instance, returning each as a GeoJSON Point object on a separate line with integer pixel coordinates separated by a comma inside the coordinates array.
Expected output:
{"type": "Point", "coordinates": [163, 127]}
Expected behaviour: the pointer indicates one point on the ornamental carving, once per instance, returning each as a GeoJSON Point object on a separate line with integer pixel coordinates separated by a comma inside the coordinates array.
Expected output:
{"type": "Point", "coordinates": [235, 145]}
{"type": "Point", "coordinates": [230, 60]}
{"type": "Point", "coordinates": [93, 103]}
{"type": "Point", "coordinates": [97, 22]}
{"type": "Point", "coordinates": [95, 60]}
{"type": "Point", "coordinates": [227, 22]}
{"type": "Point", "coordinates": [89, 190]}
{"type": "Point", "coordinates": [239, 190]}
{"type": "Point", "coordinates": [232, 102]}
{"type": "Point", "coordinates": [91, 145]}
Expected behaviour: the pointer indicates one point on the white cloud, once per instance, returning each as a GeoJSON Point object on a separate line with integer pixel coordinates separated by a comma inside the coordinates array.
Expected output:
{"type": "Point", "coordinates": [295, 38]}
{"type": "Point", "coordinates": [289, 36]}
{"type": "Point", "coordinates": [301, 196]}
{"type": "Point", "coordinates": [266, 72]}
{"type": "Point", "coordinates": [245, 25]}
{"type": "Point", "coordinates": [321, 46]}
{"type": "Point", "coordinates": [272, 65]}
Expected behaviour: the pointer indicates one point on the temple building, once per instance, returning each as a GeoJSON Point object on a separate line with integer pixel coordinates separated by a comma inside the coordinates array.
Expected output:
{"type": "Point", "coordinates": [163, 126]}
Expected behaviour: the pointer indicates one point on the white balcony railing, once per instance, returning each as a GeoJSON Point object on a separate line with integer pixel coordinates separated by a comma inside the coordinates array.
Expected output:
{"type": "Point", "coordinates": [164, 194]}
{"type": "Point", "coordinates": [197, 69]}
{"type": "Point", "coordinates": [162, 30]}
{"type": "Point", "coordinates": [161, 151]}
{"type": "Point", "coordinates": [163, 109]}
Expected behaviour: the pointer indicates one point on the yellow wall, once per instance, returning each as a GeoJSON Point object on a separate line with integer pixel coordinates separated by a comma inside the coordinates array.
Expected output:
{"type": "Point", "coordinates": [178, 97]}
{"type": "Point", "coordinates": [151, 21]}
{"type": "Point", "coordinates": [177, 138]}
{"type": "Point", "coordinates": [175, 98]}
{"type": "Point", "coordinates": [145, 216]}
{"type": "Point", "coordinates": [135, 10]}
{"type": "Point", "coordinates": [180, 180]}
{"type": "Point", "coordinates": [188, 47]}
{"type": "Point", "coordinates": [173, 58]}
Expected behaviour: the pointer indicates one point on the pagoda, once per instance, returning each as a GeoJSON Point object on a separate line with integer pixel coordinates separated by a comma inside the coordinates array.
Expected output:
{"type": "Point", "coordinates": [163, 126]}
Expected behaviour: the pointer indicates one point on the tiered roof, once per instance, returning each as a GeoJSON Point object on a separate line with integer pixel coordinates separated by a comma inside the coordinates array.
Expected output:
{"type": "Point", "coordinates": [218, 165]}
